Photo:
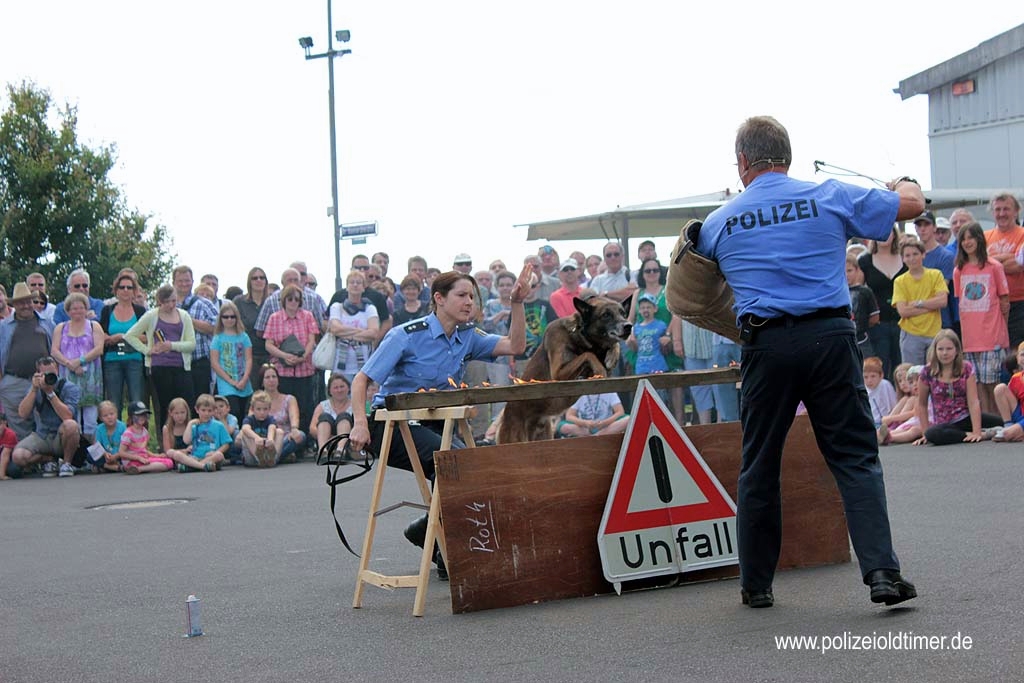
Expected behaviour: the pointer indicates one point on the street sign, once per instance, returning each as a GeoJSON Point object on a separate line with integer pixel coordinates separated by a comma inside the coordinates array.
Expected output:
{"type": "Point", "coordinates": [666, 511]}
{"type": "Point", "coordinates": [350, 230]}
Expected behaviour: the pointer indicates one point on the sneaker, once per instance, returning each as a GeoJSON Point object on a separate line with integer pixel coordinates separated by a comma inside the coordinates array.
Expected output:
{"type": "Point", "coordinates": [993, 433]}
{"type": "Point", "coordinates": [66, 470]}
{"type": "Point", "coordinates": [182, 468]}
{"type": "Point", "coordinates": [266, 455]}
{"type": "Point", "coordinates": [50, 469]}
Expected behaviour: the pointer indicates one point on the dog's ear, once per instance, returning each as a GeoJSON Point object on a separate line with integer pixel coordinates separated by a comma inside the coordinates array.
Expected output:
{"type": "Point", "coordinates": [582, 306]}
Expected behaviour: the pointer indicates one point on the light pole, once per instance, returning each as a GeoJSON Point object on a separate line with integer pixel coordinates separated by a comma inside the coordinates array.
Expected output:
{"type": "Point", "coordinates": [307, 44]}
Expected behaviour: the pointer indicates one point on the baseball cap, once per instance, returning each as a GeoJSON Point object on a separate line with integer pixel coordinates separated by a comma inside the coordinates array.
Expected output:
{"type": "Point", "coordinates": [926, 217]}
{"type": "Point", "coordinates": [647, 297]}
{"type": "Point", "coordinates": [569, 263]}
{"type": "Point", "coordinates": [138, 408]}
{"type": "Point", "coordinates": [942, 223]}
{"type": "Point", "coordinates": [462, 258]}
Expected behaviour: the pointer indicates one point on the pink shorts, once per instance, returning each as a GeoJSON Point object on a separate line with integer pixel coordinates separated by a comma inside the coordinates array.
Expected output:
{"type": "Point", "coordinates": [156, 459]}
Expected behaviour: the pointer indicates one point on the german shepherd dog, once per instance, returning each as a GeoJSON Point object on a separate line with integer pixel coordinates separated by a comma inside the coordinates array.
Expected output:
{"type": "Point", "coordinates": [579, 346]}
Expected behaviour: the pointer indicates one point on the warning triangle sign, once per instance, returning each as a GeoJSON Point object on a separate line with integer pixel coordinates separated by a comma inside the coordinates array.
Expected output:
{"type": "Point", "coordinates": [666, 512]}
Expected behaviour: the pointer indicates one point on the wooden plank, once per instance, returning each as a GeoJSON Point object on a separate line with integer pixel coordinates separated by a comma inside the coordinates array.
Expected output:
{"type": "Point", "coordinates": [535, 390]}
{"type": "Point", "coordinates": [521, 521]}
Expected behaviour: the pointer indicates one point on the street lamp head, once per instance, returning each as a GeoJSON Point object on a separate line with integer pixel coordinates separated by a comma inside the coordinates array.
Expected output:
{"type": "Point", "coordinates": [305, 42]}
{"type": "Point", "coordinates": [343, 35]}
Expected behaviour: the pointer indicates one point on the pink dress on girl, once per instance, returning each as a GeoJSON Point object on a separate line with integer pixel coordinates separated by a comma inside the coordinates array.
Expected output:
{"type": "Point", "coordinates": [137, 443]}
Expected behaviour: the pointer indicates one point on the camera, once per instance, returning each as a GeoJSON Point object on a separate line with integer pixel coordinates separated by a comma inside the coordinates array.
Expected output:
{"type": "Point", "coordinates": [50, 378]}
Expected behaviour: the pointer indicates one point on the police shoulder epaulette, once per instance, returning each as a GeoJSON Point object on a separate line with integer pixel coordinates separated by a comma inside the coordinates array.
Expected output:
{"type": "Point", "coordinates": [466, 326]}
{"type": "Point", "coordinates": [418, 326]}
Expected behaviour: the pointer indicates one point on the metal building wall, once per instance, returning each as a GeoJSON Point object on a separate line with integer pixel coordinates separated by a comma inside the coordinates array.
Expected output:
{"type": "Point", "coordinates": [977, 140]}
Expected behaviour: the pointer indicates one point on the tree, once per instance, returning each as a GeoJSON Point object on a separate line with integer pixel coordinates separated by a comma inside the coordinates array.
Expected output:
{"type": "Point", "coordinates": [59, 210]}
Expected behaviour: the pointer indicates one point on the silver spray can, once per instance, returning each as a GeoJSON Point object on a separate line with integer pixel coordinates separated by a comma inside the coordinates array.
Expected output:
{"type": "Point", "coordinates": [194, 624]}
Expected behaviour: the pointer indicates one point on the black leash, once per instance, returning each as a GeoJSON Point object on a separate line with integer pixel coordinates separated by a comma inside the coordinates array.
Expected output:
{"type": "Point", "coordinates": [329, 455]}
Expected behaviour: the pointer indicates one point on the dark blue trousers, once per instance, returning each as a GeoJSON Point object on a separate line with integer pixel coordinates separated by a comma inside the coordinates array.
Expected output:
{"type": "Point", "coordinates": [426, 436]}
{"type": "Point", "coordinates": [817, 362]}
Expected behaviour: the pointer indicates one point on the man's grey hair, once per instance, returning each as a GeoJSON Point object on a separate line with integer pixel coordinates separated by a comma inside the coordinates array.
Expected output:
{"type": "Point", "coordinates": [78, 271]}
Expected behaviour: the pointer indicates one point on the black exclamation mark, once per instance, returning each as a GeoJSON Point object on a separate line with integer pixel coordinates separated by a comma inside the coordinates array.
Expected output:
{"type": "Point", "coordinates": [660, 469]}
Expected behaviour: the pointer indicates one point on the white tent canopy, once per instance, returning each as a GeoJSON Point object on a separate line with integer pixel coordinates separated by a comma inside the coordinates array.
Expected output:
{"type": "Point", "coordinates": [657, 219]}
{"type": "Point", "coordinates": [666, 218]}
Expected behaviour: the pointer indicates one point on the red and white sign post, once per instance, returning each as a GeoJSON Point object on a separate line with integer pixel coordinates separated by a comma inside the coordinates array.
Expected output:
{"type": "Point", "coordinates": [666, 512]}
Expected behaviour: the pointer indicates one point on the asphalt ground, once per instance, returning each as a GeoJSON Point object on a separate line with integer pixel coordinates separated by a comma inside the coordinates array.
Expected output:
{"type": "Point", "coordinates": [99, 595]}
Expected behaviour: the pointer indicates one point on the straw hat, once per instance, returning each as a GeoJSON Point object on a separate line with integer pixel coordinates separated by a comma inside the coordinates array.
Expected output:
{"type": "Point", "coordinates": [21, 291]}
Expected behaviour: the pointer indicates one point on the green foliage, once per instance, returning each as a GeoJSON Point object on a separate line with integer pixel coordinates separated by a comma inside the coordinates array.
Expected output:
{"type": "Point", "coordinates": [59, 209]}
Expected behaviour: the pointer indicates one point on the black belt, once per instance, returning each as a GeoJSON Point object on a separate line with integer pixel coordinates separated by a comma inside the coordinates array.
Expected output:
{"type": "Point", "coordinates": [758, 322]}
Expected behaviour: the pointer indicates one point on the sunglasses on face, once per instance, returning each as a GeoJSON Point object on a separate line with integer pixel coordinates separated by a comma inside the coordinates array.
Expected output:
{"type": "Point", "coordinates": [80, 285]}
{"type": "Point", "coordinates": [651, 271]}
{"type": "Point", "coordinates": [361, 267]}
{"type": "Point", "coordinates": [258, 277]}
{"type": "Point", "coordinates": [126, 286]}
{"type": "Point", "coordinates": [228, 317]}
{"type": "Point", "coordinates": [613, 254]}
{"type": "Point", "coordinates": [292, 298]}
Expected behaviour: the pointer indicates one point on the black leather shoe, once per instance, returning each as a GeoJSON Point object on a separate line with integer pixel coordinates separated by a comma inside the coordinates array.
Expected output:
{"type": "Point", "coordinates": [889, 586]}
{"type": "Point", "coordinates": [442, 570]}
{"type": "Point", "coordinates": [416, 533]}
{"type": "Point", "coordinates": [757, 598]}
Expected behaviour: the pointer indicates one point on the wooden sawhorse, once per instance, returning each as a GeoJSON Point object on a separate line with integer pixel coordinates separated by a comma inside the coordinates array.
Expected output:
{"type": "Point", "coordinates": [451, 416]}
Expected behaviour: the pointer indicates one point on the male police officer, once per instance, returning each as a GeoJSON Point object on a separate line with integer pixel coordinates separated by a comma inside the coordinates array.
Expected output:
{"type": "Point", "coordinates": [800, 346]}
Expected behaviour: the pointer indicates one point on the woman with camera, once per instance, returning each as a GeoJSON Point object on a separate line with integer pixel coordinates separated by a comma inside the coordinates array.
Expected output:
{"type": "Point", "coordinates": [122, 365]}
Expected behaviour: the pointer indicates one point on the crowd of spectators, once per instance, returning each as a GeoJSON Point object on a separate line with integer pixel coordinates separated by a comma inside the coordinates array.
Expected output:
{"type": "Point", "coordinates": [232, 380]}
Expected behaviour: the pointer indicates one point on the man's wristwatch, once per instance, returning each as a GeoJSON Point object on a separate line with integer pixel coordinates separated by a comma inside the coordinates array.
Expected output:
{"type": "Point", "coordinates": [919, 303]}
{"type": "Point", "coordinates": [51, 395]}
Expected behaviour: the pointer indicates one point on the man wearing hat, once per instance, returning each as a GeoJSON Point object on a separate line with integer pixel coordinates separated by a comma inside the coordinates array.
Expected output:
{"type": "Point", "coordinates": [463, 263]}
{"type": "Point", "coordinates": [939, 258]}
{"type": "Point", "coordinates": [561, 298]}
{"type": "Point", "coordinates": [24, 337]}
{"type": "Point", "coordinates": [943, 231]}
{"type": "Point", "coordinates": [51, 403]}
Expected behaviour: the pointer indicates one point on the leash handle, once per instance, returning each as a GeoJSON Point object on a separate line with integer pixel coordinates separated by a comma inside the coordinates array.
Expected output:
{"type": "Point", "coordinates": [326, 456]}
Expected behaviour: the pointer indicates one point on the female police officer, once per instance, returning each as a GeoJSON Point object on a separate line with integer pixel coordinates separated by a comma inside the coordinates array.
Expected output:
{"type": "Point", "coordinates": [800, 346]}
{"type": "Point", "coordinates": [425, 354]}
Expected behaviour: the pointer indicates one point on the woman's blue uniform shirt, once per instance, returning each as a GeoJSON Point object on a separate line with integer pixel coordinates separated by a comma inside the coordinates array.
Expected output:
{"type": "Point", "coordinates": [781, 243]}
{"type": "Point", "coordinates": [418, 355]}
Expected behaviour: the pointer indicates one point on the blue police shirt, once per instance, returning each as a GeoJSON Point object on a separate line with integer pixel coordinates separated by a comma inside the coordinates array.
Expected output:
{"type": "Point", "coordinates": [418, 355]}
{"type": "Point", "coordinates": [781, 243]}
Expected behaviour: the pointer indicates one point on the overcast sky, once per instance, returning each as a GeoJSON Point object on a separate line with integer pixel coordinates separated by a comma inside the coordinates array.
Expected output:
{"type": "Point", "coordinates": [458, 120]}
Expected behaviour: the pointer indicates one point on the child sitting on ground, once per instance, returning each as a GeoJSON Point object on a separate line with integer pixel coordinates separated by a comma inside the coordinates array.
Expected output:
{"type": "Point", "coordinates": [902, 424]}
{"type": "Point", "coordinates": [8, 440]}
{"type": "Point", "coordinates": [594, 414]}
{"type": "Point", "coordinates": [208, 437]}
{"type": "Point", "coordinates": [173, 435]}
{"type": "Point", "coordinates": [881, 395]}
{"type": "Point", "coordinates": [1009, 398]}
{"type": "Point", "coordinates": [108, 435]}
{"type": "Point", "coordinates": [134, 451]}
{"type": "Point", "coordinates": [950, 382]}
{"type": "Point", "coordinates": [222, 411]}
{"type": "Point", "coordinates": [261, 440]}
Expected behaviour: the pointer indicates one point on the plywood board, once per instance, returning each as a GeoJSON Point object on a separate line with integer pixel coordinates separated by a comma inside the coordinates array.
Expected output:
{"type": "Point", "coordinates": [521, 520]}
